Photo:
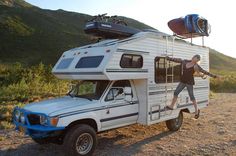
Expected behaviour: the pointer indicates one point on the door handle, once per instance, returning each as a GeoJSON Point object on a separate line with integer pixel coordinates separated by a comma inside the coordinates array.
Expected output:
{"type": "Point", "coordinates": [107, 110]}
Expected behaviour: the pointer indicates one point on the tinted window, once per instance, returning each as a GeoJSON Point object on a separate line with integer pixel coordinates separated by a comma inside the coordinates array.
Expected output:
{"type": "Point", "coordinates": [131, 61]}
{"type": "Point", "coordinates": [160, 70]}
{"type": "Point", "coordinates": [89, 62]}
{"type": "Point", "coordinates": [65, 63]}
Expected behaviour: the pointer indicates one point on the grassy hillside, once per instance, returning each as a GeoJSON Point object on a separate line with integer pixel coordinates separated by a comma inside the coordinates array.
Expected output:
{"type": "Point", "coordinates": [219, 61]}
{"type": "Point", "coordinates": [15, 3]}
{"type": "Point", "coordinates": [31, 35]}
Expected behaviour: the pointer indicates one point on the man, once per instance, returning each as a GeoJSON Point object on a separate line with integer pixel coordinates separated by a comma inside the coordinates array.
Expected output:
{"type": "Point", "coordinates": [189, 67]}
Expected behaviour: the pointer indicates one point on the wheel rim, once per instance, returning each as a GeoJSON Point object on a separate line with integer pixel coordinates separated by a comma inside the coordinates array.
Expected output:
{"type": "Point", "coordinates": [84, 143]}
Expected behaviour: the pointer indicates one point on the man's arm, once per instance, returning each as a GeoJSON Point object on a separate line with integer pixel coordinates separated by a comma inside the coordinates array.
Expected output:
{"type": "Point", "coordinates": [177, 60]}
{"type": "Point", "coordinates": [199, 69]}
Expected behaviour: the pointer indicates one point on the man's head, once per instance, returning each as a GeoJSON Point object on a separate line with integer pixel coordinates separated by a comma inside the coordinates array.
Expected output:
{"type": "Point", "coordinates": [196, 58]}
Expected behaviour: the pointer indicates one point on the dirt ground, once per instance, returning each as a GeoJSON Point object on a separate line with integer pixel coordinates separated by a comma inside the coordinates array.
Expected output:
{"type": "Point", "coordinates": [214, 133]}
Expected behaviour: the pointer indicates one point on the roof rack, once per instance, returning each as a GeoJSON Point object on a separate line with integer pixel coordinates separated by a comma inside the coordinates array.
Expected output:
{"type": "Point", "coordinates": [109, 27]}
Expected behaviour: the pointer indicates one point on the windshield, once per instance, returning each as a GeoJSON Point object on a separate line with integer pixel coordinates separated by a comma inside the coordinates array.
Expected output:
{"type": "Point", "coordinates": [89, 89]}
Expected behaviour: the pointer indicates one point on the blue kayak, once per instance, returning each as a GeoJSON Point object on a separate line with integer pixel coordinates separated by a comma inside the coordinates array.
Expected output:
{"type": "Point", "coordinates": [197, 24]}
{"type": "Point", "coordinates": [189, 26]}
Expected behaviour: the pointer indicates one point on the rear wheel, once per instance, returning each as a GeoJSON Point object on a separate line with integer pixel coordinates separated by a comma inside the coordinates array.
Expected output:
{"type": "Point", "coordinates": [80, 140]}
{"type": "Point", "coordinates": [175, 124]}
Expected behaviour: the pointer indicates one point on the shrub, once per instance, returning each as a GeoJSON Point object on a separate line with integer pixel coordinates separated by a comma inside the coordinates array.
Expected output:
{"type": "Point", "coordinates": [226, 84]}
{"type": "Point", "coordinates": [23, 83]}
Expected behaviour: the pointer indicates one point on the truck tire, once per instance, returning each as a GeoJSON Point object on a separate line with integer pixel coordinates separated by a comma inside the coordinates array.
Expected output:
{"type": "Point", "coordinates": [80, 140]}
{"type": "Point", "coordinates": [175, 124]}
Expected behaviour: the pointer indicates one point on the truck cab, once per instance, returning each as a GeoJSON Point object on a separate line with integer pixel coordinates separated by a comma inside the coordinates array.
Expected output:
{"type": "Point", "coordinates": [100, 104]}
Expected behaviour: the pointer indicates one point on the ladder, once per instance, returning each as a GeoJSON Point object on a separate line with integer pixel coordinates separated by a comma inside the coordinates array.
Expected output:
{"type": "Point", "coordinates": [169, 67]}
{"type": "Point", "coordinates": [167, 76]}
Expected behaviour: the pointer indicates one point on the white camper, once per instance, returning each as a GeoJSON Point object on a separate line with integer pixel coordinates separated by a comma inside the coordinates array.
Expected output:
{"type": "Point", "coordinates": [141, 60]}
{"type": "Point", "coordinates": [122, 82]}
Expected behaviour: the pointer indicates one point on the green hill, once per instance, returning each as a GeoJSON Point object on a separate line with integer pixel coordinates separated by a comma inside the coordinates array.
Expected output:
{"type": "Point", "coordinates": [219, 61]}
{"type": "Point", "coordinates": [31, 35]}
{"type": "Point", "coordinates": [15, 3]}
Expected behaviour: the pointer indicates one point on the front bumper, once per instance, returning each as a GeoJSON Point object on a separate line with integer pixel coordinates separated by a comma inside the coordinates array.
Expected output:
{"type": "Point", "coordinates": [34, 130]}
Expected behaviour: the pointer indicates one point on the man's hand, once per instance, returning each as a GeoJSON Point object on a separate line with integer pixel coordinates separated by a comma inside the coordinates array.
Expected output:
{"type": "Point", "coordinates": [203, 76]}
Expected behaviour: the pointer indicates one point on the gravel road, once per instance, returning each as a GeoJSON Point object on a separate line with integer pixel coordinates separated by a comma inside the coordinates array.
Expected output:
{"type": "Point", "coordinates": [214, 133]}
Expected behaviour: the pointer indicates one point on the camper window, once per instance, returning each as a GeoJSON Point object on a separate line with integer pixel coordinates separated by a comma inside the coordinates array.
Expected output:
{"type": "Point", "coordinates": [160, 70]}
{"type": "Point", "coordinates": [65, 63]}
{"type": "Point", "coordinates": [131, 61]}
{"type": "Point", "coordinates": [89, 62]}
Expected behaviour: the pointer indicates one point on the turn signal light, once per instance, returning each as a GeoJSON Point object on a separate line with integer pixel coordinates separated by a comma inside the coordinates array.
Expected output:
{"type": "Point", "coordinates": [54, 121]}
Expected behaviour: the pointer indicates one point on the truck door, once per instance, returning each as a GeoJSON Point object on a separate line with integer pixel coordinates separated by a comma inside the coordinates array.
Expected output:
{"type": "Point", "coordinates": [121, 105]}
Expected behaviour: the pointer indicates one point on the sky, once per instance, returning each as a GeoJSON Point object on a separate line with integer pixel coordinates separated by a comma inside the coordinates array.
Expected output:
{"type": "Point", "coordinates": [157, 13]}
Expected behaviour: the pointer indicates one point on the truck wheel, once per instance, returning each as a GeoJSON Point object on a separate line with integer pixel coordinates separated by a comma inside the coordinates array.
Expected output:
{"type": "Point", "coordinates": [41, 141]}
{"type": "Point", "coordinates": [80, 140]}
{"type": "Point", "coordinates": [175, 124]}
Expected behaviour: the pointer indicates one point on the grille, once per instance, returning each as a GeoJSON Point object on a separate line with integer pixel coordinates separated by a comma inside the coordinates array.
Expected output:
{"type": "Point", "coordinates": [34, 119]}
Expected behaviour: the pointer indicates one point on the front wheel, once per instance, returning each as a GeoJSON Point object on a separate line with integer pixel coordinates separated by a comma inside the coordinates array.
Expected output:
{"type": "Point", "coordinates": [175, 124]}
{"type": "Point", "coordinates": [80, 140]}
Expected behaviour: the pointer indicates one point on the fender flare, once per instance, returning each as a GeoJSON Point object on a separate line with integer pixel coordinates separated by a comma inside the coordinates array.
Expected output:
{"type": "Point", "coordinates": [66, 121]}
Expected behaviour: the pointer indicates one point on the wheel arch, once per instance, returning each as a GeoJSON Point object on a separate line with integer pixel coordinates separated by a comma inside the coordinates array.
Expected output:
{"type": "Point", "coordinates": [88, 121]}
{"type": "Point", "coordinates": [185, 110]}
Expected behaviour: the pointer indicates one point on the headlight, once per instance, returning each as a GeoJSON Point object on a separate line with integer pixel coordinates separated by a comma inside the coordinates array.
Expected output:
{"type": "Point", "coordinates": [43, 120]}
{"type": "Point", "coordinates": [22, 118]}
{"type": "Point", "coordinates": [17, 115]}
